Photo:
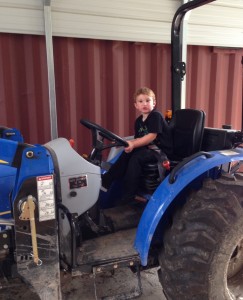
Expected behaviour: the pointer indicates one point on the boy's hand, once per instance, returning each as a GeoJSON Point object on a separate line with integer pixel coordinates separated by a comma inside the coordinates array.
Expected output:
{"type": "Point", "coordinates": [140, 142]}
{"type": "Point", "coordinates": [130, 147]}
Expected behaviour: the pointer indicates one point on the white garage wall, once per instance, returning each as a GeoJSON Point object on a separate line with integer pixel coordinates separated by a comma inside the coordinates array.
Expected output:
{"type": "Point", "coordinates": [219, 23]}
{"type": "Point", "coordinates": [129, 20]}
{"type": "Point", "coordinates": [21, 16]}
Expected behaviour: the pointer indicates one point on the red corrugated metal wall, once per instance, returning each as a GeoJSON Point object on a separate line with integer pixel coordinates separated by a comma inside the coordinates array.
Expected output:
{"type": "Point", "coordinates": [24, 86]}
{"type": "Point", "coordinates": [96, 80]}
{"type": "Point", "coordinates": [214, 84]}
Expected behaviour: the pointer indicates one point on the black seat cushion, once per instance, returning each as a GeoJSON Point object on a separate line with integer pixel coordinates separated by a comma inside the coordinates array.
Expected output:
{"type": "Point", "coordinates": [187, 132]}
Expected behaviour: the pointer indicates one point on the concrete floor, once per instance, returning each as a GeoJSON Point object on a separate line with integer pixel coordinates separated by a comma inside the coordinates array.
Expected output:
{"type": "Point", "coordinates": [86, 288]}
{"type": "Point", "coordinates": [104, 285]}
{"type": "Point", "coordinates": [122, 281]}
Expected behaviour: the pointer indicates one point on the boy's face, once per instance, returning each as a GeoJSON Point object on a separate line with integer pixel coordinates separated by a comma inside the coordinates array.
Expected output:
{"type": "Point", "coordinates": [144, 104]}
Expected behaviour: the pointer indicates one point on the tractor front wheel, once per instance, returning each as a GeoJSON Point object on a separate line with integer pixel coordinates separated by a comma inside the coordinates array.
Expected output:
{"type": "Point", "coordinates": [202, 256]}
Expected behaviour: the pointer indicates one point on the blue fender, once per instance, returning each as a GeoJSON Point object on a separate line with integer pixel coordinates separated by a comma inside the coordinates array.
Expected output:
{"type": "Point", "coordinates": [13, 171]}
{"type": "Point", "coordinates": [166, 193]}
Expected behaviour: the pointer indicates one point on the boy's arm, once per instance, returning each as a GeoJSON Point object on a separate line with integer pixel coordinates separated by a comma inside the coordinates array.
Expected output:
{"type": "Point", "coordinates": [140, 142]}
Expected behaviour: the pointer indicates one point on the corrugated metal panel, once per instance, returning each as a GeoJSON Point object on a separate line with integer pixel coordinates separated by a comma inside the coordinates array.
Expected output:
{"type": "Point", "coordinates": [134, 9]}
{"type": "Point", "coordinates": [217, 24]}
{"type": "Point", "coordinates": [23, 86]}
{"type": "Point", "coordinates": [214, 81]}
{"type": "Point", "coordinates": [99, 27]}
{"type": "Point", "coordinates": [25, 16]}
{"type": "Point", "coordinates": [96, 79]}
{"type": "Point", "coordinates": [130, 20]}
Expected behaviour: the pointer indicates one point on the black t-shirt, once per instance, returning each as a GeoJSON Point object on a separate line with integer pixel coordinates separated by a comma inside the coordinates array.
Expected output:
{"type": "Point", "coordinates": [155, 123]}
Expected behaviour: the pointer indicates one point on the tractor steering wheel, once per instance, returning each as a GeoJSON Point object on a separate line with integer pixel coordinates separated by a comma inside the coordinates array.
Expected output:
{"type": "Point", "coordinates": [98, 134]}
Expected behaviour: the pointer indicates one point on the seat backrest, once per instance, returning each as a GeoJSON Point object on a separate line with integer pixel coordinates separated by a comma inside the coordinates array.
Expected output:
{"type": "Point", "coordinates": [187, 132]}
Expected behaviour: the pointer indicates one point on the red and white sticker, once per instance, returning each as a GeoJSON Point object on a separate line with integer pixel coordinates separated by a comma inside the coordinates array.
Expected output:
{"type": "Point", "coordinates": [46, 197]}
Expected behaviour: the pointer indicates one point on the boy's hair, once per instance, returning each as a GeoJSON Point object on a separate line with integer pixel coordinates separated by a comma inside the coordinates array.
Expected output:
{"type": "Point", "coordinates": [145, 91]}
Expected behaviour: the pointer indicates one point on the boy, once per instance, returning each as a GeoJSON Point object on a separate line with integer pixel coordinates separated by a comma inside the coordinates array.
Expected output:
{"type": "Point", "coordinates": [151, 134]}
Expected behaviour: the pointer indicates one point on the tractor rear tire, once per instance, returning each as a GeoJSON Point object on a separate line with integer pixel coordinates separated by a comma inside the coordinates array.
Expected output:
{"type": "Point", "coordinates": [202, 256]}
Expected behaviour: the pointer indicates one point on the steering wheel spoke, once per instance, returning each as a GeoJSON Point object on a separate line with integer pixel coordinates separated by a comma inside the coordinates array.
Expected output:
{"type": "Point", "coordinates": [97, 143]}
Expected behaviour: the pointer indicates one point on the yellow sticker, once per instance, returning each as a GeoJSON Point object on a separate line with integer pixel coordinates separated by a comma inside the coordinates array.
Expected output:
{"type": "Point", "coordinates": [3, 161]}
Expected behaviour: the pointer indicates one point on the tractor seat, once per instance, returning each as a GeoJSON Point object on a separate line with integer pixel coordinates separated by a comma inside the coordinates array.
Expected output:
{"type": "Point", "coordinates": [187, 128]}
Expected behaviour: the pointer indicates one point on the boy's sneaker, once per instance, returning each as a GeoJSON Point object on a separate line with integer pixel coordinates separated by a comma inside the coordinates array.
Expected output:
{"type": "Point", "coordinates": [140, 199]}
{"type": "Point", "coordinates": [105, 182]}
{"type": "Point", "coordinates": [104, 189]}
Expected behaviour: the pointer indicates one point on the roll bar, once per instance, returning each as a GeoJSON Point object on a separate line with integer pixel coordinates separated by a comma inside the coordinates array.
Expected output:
{"type": "Point", "coordinates": [178, 68]}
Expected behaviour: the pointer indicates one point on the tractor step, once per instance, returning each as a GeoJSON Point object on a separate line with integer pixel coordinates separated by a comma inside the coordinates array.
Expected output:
{"type": "Point", "coordinates": [114, 248]}
{"type": "Point", "coordinates": [110, 253]}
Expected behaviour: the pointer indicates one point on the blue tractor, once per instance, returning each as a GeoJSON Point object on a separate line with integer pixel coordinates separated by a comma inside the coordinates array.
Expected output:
{"type": "Point", "coordinates": [54, 216]}
{"type": "Point", "coordinates": [8, 174]}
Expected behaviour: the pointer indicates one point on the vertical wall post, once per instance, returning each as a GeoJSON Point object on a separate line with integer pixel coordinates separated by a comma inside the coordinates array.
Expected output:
{"type": "Point", "coordinates": [50, 68]}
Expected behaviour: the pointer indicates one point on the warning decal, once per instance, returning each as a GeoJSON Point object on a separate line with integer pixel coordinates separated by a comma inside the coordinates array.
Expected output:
{"type": "Point", "coordinates": [78, 182]}
{"type": "Point", "coordinates": [46, 199]}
